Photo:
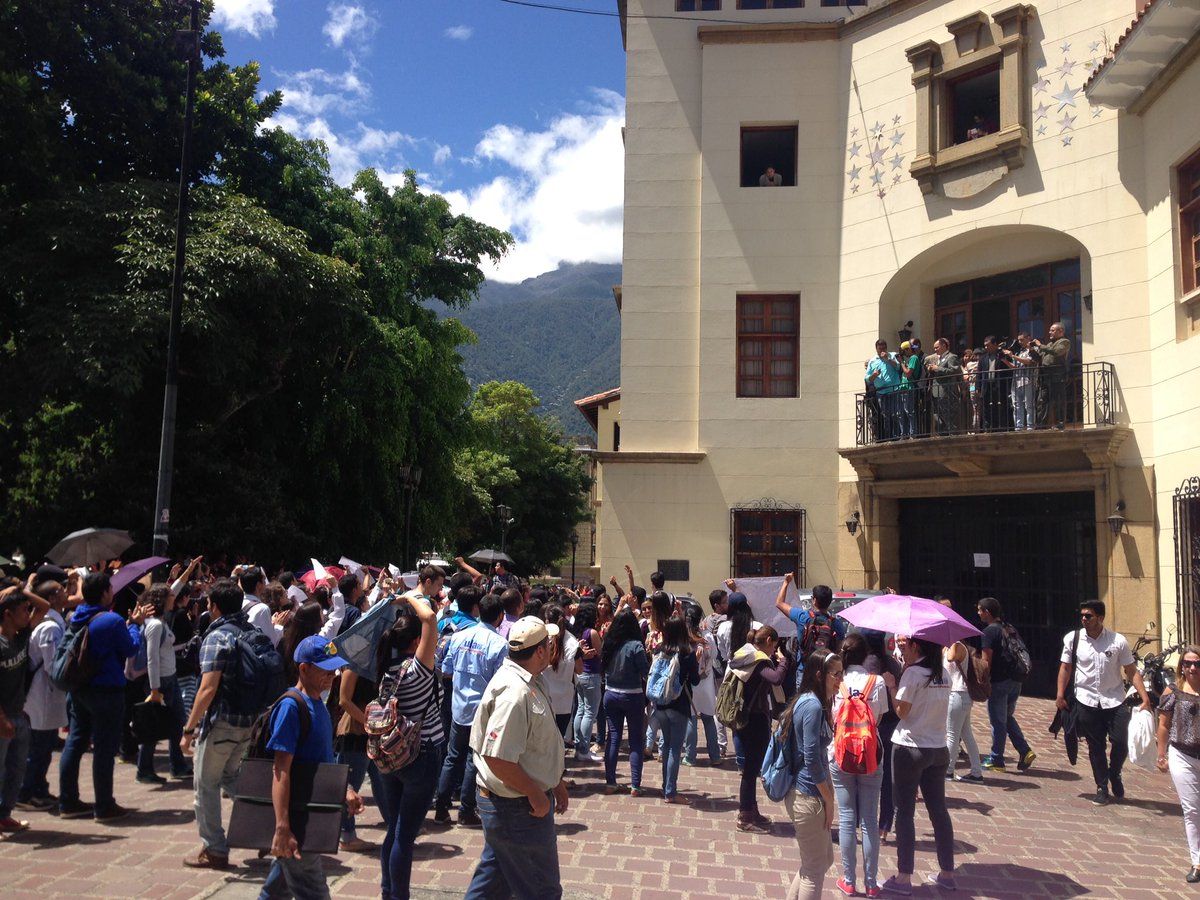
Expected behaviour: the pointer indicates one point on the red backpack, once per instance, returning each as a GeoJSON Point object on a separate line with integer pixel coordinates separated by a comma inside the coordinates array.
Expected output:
{"type": "Point", "coordinates": [856, 746]}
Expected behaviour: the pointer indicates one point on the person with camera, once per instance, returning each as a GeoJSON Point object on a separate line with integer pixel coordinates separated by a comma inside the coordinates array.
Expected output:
{"type": "Point", "coordinates": [1024, 357]}
{"type": "Point", "coordinates": [992, 376]}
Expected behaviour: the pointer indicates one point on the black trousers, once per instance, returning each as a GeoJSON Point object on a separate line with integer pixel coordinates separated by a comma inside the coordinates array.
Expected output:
{"type": "Point", "coordinates": [755, 737]}
{"type": "Point", "coordinates": [1098, 726]}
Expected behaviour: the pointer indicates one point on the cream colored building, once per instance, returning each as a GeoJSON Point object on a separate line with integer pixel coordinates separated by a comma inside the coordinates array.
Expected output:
{"type": "Point", "coordinates": [746, 443]}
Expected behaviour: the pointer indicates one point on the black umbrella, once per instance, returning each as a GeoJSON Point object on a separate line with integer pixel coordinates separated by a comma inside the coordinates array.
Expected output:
{"type": "Point", "coordinates": [490, 556]}
{"type": "Point", "coordinates": [82, 548]}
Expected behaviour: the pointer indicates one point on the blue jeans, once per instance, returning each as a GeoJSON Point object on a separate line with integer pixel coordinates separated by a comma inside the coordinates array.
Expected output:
{"type": "Point", "coordinates": [458, 770]}
{"type": "Point", "coordinates": [673, 725]}
{"type": "Point", "coordinates": [618, 709]}
{"type": "Point", "coordinates": [520, 853]}
{"type": "Point", "coordinates": [691, 740]}
{"type": "Point", "coordinates": [360, 767]}
{"type": "Point", "coordinates": [409, 792]}
{"type": "Point", "coordinates": [587, 690]}
{"type": "Point", "coordinates": [14, 755]}
{"type": "Point", "coordinates": [301, 878]}
{"type": "Point", "coordinates": [173, 700]}
{"type": "Point", "coordinates": [94, 714]}
{"type": "Point", "coordinates": [858, 807]}
{"type": "Point", "coordinates": [41, 748]}
{"type": "Point", "coordinates": [1002, 705]}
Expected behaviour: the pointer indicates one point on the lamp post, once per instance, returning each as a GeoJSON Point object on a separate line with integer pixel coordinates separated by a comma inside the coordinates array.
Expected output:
{"type": "Point", "coordinates": [189, 43]}
{"type": "Point", "coordinates": [574, 547]}
{"type": "Point", "coordinates": [410, 480]}
{"type": "Point", "coordinates": [504, 513]}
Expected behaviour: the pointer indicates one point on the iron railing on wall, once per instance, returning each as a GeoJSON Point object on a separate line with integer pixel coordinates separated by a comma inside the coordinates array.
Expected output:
{"type": "Point", "coordinates": [1080, 395]}
{"type": "Point", "coordinates": [1187, 559]}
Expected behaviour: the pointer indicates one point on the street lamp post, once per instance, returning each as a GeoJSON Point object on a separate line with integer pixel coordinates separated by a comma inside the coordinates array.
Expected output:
{"type": "Point", "coordinates": [574, 547]}
{"type": "Point", "coordinates": [410, 480]}
{"type": "Point", "coordinates": [189, 42]}
{"type": "Point", "coordinates": [505, 513]}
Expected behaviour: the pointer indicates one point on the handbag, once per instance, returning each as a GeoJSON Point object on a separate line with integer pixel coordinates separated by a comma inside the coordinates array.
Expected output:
{"type": "Point", "coordinates": [151, 722]}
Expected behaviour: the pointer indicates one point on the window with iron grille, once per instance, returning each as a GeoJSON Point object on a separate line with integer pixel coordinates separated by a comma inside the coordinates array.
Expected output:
{"type": "Point", "coordinates": [767, 541]}
{"type": "Point", "coordinates": [1189, 222]}
{"type": "Point", "coordinates": [1187, 559]}
{"type": "Point", "coordinates": [768, 344]}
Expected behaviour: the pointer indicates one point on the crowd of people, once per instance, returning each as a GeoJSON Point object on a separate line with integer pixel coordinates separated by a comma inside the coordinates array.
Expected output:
{"type": "Point", "coordinates": [505, 683]}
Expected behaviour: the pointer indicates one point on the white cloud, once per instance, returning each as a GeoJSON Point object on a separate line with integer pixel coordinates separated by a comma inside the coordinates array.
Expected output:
{"type": "Point", "coordinates": [251, 16]}
{"type": "Point", "coordinates": [459, 32]}
{"type": "Point", "coordinates": [349, 152]}
{"type": "Point", "coordinates": [563, 201]}
{"type": "Point", "coordinates": [348, 23]}
{"type": "Point", "coordinates": [316, 92]}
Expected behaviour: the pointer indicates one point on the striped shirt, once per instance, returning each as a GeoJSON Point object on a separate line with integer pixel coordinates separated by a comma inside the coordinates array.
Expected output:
{"type": "Point", "coordinates": [418, 695]}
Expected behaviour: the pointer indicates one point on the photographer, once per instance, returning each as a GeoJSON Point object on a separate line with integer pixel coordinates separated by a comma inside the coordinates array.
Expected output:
{"type": "Point", "coordinates": [1025, 358]}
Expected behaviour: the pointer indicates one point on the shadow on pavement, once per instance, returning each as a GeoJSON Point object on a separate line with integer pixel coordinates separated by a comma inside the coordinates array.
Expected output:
{"type": "Point", "coordinates": [435, 850]}
{"type": "Point", "coordinates": [141, 818]}
{"type": "Point", "coordinates": [1005, 878]}
{"type": "Point", "coordinates": [1161, 807]}
{"type": "Point", "coordinates": [984, 809]}
{"type": "Point", "coordinates": [569, 828]}
{"type": "Point", "coordinates": [1009, 784]}
{"type": "Point", "coordinates": [1053, 774]}
{"type": "Point", "coordinates": [49, 840]}
{"type": "Point", "coordinates": [714, 804]}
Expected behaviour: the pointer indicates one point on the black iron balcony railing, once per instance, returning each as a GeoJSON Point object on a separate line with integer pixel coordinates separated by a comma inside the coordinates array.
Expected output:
{"type": "Point", "coordinates": [1023, 399]}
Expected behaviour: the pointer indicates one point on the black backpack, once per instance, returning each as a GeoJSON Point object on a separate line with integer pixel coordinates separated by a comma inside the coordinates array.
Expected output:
{"type": "Point", "coordinates": [819, 634]}
{"type": "Point", "coordinates": [260, 731]}
{"type": "Point", "coordinates": [257, 677]}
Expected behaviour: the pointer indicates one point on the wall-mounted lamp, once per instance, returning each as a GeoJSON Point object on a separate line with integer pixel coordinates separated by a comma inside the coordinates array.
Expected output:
{"type": "Point", "coordinates": [1087, 301]}
{"type": "Point", "coordinates": [1117, 521]}
{"type": "Point", "coordinates": [852, 523]}
{"type": "Point", "coordinates": [906, 332]}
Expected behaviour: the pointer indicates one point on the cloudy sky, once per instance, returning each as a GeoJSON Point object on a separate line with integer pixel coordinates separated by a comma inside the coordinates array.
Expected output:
{"type": "Point", "coordinates": [513, 113]}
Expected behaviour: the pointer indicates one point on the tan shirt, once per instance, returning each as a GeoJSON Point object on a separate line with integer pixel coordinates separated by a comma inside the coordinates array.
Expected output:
{"type": "Point", "coordinates": [514, 722]}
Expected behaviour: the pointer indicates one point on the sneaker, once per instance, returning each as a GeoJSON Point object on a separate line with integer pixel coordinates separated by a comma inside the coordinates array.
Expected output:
{"type": "Point", "coordinates": [150, 778]}
{"type": "Point", "coordinates": [183, 773]}
{"type": "Point", "coordinates": [441, 815]}
{"type": "Point", "coordinates": [751, 826]}
{"type": "Point", "coordinates": [1118, 786]}
{"type": "Point", "coordinates": [1101, 797]}
{"type": "Point", "coordinates": [114, 812]}
{"type": "Point", "coordinates": [206, 860]}
{"type": "Point", "coordinates": [1026, 761]}
{"type": "Point", "coordinates": [994, 765]}
{"type": "Point", "coordinates": [1193, 875]}
{"type": "Point", "coordinates": [874, 891]}
{"type": "Point", "coordinates": [677, 799]}
{"type": "Point", "coordinates": [38, 804]}
{"type": "Point", "coordinates": [75, 810]}
{"type": "Point", "coordinates": [970, 778]}
{"type": "Point", "coordinates": [846, 887]}
{"type": "Point", "coordinates": [356, 845]}
{"type": "Point", "coordinates": [597, 749]}
{"type": "Point", "coordinates": [588, 756]}
{"type": "Point", "coordinates": [938, 880]}
{"type": "Point", "coordinates": [895, 886]}
{"type": "Point", "coordinates": [611, 789]}
{"type": "Point", "coordinates": [9, 825]}
{"type": "Point", "coordinates": [637, 792]}
{"type": "Point", "coordinates": [470, 819]}
{"type": "Point", "coordinates": [688, 762]}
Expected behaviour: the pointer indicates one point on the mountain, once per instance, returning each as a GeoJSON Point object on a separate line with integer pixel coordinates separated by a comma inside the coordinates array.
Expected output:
{"type": "Point", "coordinates": [559, 333]}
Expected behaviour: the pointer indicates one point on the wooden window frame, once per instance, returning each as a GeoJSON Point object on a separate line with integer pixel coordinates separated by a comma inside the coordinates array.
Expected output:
{"type": "Point", "coordinates": [792, 560]}
{"type": "Point", "coordinates": [767, 336]}
{"type": "Point", "coordinates": [1189, 215]}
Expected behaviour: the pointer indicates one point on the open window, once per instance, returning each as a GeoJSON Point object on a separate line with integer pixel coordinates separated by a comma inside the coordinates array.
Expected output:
{"type": "Point", "coordinates": [769, 155]}
{"type": "Point", "coordinates": [1189, 223]}
{"type": "Point", "coordinates": [973, 105]}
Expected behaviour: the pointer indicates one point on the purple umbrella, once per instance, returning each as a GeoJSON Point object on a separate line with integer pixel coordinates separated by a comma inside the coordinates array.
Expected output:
{"type": "Point", "coordinates": [131, 572]}
{"type": "Point", "coordinates": [913, 616]}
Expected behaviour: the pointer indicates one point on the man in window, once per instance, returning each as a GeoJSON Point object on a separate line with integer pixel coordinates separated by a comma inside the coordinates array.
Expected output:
{"type": "Point", "coordinates": [770, 178]}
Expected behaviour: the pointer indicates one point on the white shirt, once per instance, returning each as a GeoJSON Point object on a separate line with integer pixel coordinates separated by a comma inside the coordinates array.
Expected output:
{"type": "Point", "coordinates": [45, 705]}
{"type": "Point", "coordinates": [335, 617]}
{"type": "Point", "coordinates": [560, 685]}
{"type": "Point", "coordinates": [925, 724]}
{"type": "Point", "coordinates": [1099, 675]}
{"type": "Point", "coordinates": [259, 615]}
{"type": "Point", "coordinates": [724, 630]}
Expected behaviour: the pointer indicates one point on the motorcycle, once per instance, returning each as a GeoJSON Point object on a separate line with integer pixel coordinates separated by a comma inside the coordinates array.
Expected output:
{"type": "Point", "coordinates": [1157, 676]}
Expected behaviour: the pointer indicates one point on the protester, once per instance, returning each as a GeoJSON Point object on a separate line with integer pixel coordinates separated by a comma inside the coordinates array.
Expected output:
{"type": "Point", "coordinates": [294, 873]}
{"type": "Point", "coordinates": [45, 705]}
{"type": "Point", "coordinates": [625, 666]}
{"type": "Point", "coordinates": [672, 718]}
{"type": "Point", "coordinates": [560, 675]}
{"type": "Point", "coordinates": [164, 687]}
{"type": "Point", "coordinates": [810, 801]}
{"type": "Point", "coordinates": [956, 658]}
{"type": "Point", "coordinates": [1179, 747]}
{"type": "Point", "coordinates": [588, 684]}
{"type": "Point", "coordinates": [762, 669]}
{"type": "Point", "coordinates": [704, 696]}
{"type": "Point", "coordinates": [21, 611]}
{"type": "Point", "coordinates": [305, 622]}
{"type": "Point", "coordinates": [919, 762]}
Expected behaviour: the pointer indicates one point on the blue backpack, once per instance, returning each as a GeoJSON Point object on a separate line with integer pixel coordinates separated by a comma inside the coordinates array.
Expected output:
{"type": "Point", "coordinates": [780, 764]}
{"type": "Point", "coordinates": [664, 683]}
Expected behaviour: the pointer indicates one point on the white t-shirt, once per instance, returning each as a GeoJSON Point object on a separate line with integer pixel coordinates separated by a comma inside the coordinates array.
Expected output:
{"type": "Point", "coordinates": [560, 685]}
{"type": "Point", "coordinates": [925, 724]}
{"type": "Point", "coordinates": [724, 630]}
{"type": "Point", "coordinates": [1099, 676]}
{"type": "Point", "coordinates": [958, 679]}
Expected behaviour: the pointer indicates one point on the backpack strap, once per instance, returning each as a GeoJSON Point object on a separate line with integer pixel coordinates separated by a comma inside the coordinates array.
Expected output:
{"type": "Point", "coordinates": [303, 712]}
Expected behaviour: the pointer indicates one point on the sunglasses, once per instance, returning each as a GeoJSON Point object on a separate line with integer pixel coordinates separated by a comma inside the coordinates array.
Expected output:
{"type": "Point", "coordinates": [1190, 664]}
{"type": "Point", "coordinates": [1087, 615]}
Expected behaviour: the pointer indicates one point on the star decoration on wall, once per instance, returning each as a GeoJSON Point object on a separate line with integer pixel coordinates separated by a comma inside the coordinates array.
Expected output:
{"type": "Point", "coordinates": [854, 132]}
{"type": "Point", "coordinates": [1066, 97]}
{"type": "Point", "coordinates": [1066, 68]}
{"type": "Point", "coordinates": [897, 161]}
{"type": "Point", "coordinates": [882, 193]}
{"type": "Point", "coordinates": [1067, 141]}
{"type": "Point", "coordinates": [1040, 111]}
{"type": "Point", "coordinates": [877, 131]}
{"type": "Point", "coordinates": [1096, 111]}
{"type": "Point", "coordinates": [854, 173]}
{"type": "Point", "coordinates": [1067, 122]}
{"type": "Point", "coordinates": [855, 147]}
{"type": "Point", "coordinates": [896, 179]}
{"type": "Point", "coordinates": [897, 138]}
{"type": "Point", "coordinates": [877, 156]}
{"type": "Point", "coordinates": [1094, 47]}
{"type": "Point", "coordinates": [854, 188]}
{"type": "Point", "coordinates": [895, 120]}
{"type": "Point", "coordinates": [1066, 47]}
{"type": "Point", "coordinates": [1041, 130]}
{"type": "Point", "coordinates": [1042, 84]}
{"type": "Point", "coordinates": [877, 177]}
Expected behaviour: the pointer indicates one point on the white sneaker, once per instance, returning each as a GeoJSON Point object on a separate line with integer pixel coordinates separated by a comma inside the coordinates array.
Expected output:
{"type": "Point", "coordinates": [588, 756]}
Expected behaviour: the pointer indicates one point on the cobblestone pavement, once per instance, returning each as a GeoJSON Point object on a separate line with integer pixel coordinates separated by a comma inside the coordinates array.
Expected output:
{"type": "Point", "coordinates": [1033, 835]}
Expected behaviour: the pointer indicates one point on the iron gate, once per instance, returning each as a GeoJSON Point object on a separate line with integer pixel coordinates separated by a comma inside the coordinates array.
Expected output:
{"type": "Point", "coordinates": [1187, 559]}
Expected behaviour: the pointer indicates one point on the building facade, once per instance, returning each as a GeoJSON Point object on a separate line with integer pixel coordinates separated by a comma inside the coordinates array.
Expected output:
{"type": "Point", "coordinates": [805, 178]}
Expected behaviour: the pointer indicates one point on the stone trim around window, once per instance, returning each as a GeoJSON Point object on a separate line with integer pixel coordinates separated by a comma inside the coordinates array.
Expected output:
{"type": "Point", "coordinates": [978, 43]}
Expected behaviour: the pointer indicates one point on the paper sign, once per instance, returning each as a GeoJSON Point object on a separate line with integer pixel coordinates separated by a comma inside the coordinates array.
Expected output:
{"type": "Point", "coordinates": [983, 560]}
{"type": "Point", "coordinates": [319, 572]}
{"type": "Point", "coordinates": [373, 597]}
{"type": "Point", "coordinates": [394, 570]}
{"type": "Point", "coordinates": [297, 594]}
{"type": "Point", "coordinates": [351, 566]}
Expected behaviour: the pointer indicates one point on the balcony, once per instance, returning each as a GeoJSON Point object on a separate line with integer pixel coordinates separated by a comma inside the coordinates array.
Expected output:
{"type": "Point", "coordinates": [961, 425]}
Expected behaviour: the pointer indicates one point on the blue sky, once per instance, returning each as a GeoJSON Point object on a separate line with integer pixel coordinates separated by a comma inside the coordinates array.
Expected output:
{"type": "Point", "coordinates": [512, 113]}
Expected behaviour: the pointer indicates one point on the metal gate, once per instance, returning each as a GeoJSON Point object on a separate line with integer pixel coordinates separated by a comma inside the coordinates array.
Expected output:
{"type": "Point", "coordinates": [1187, 559]}
{"type": "Point", "coordinates": [1035, 553]}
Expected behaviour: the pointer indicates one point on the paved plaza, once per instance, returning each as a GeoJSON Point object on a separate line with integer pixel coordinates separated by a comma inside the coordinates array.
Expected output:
{"type": "Point", "coordinates": [1017, 836]}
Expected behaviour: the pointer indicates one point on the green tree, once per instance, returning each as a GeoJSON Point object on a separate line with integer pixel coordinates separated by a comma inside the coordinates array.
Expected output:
{"type": "Point", "coordinates": [521, 460]}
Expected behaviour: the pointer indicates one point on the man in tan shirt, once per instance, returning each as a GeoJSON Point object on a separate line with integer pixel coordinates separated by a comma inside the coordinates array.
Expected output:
{"type": "Point", "coordinates": [519, 760]}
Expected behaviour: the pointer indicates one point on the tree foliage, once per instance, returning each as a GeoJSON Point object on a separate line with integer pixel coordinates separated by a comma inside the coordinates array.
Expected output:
{"type": "Point", "coordinates": [312, 365]}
